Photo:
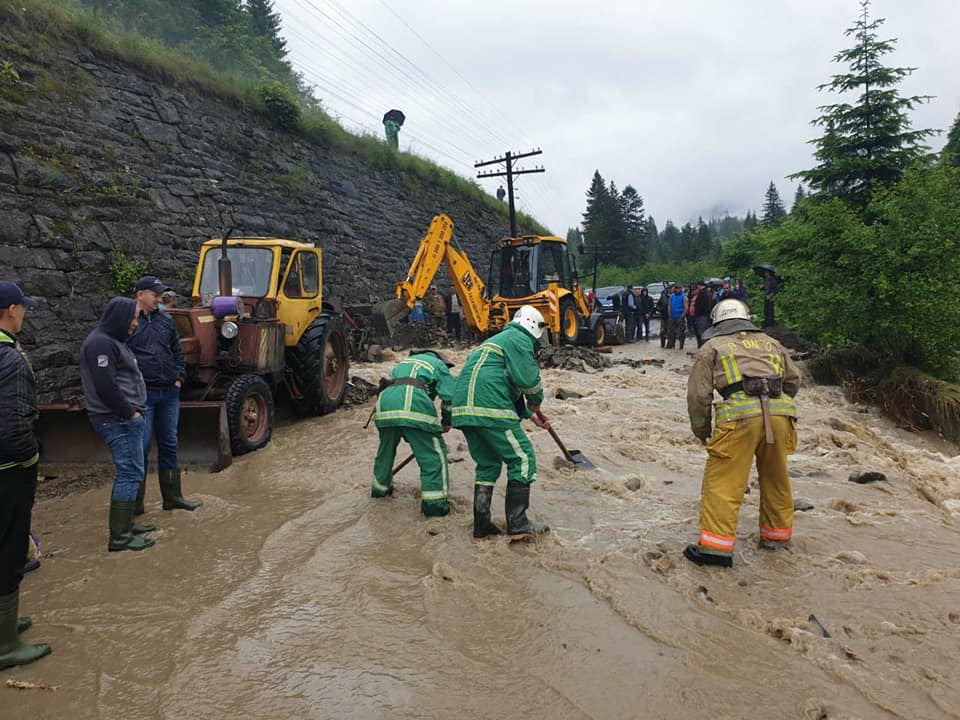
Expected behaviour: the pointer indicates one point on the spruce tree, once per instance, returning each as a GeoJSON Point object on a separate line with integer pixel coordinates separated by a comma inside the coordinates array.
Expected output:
{"type": "Point", "coordinates": [598, 220]}
{"type": "Point", "coordinates": [951, 151]}
{"type": "Point", "coordinates": [688, 243]}
{"type": "Point", "coordinates": [798, 196]}
{"type": "Point", "coordinates": [669, 244]}
{"type": "Point", "coordinates": [634, 225]}
{"type": "Point", "coordinates": [750, 221]}
{"type": "Point", "coordinates": [869, 141]}
{"type": "Point", "coordinates": [703, 246]}
{"type": "Point", "coordinates": [773, 209]}
{"type": "Point", "coordinates": [265, 22]}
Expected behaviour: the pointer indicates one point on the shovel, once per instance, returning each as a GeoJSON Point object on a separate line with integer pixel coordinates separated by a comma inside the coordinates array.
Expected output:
{"type": "Point", "coordinates": [574, 456]}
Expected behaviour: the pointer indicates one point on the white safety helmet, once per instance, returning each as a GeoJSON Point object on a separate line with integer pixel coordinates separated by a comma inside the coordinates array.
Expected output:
{"type": "Point", "coordinates": [730, 309]}
{"type": "Point", "coordinates": [530, 319]}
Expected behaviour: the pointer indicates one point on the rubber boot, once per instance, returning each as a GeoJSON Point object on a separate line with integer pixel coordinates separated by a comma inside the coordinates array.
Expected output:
{"type": "Point", "coordinates": [519, 526]}
{"type": "Point", "coordinates": [12, 650]}
{"type": "Point", "coordinates": [141, 528]}
{"type": "Point", "coordinates": [23, 624]}
{"type": "Point", "coordinates": [482, 527]}
{"type": "Point", "coordinates": [172, 495]}
{"type": "Point", "coordinates": [435, 508]}
{"type": "Point", "coordinates": [695, 554]}
{"type": "Point", "coordinates": [121, 529]}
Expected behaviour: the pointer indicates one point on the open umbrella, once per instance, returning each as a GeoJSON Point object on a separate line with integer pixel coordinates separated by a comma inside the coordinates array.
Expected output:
{"type": "Point", "coordinates": [761, 269]}
{"type": "Point", "coordinates": [395, 115]}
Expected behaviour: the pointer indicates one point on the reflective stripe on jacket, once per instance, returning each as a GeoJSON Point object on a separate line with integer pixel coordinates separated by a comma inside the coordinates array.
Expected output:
{"type": "Point", "coordinates": [409, 406]}
{"type": "Point", "coordinates": [494, 377]}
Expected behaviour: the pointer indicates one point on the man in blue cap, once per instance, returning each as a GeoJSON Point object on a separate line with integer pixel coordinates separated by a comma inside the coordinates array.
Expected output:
{"type": "Point", "coordinates": [19, 454]}
{"type": "Point", "coordinates": [156, 345]}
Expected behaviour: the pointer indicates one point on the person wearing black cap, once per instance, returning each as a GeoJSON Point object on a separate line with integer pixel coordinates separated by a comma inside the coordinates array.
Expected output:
{"type": "Point", "coordinates": [116, 397]}
{"type": "Point", "coordinates": [156, 345]}
{"type": "Point", "coordinates": [19, 454]}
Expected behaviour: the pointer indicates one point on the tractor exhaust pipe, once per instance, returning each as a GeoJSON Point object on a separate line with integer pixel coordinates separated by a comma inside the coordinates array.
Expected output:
{"type": "Point", "coordinates": [225, 269]}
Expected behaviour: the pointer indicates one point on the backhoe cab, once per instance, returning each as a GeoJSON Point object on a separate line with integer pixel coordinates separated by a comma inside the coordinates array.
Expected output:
{"type": "Point", "coordinates": [530, 270]}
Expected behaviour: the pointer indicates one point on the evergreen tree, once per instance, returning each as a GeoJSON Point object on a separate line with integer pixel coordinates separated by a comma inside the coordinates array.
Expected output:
{"type": "Point", "coordinates": [951, 151]}
{"type": "Point", "coordinates": [798, 196]}
{"type": "Point", "coordinates": [750, 221]}
{"type": "Point", "coordinates": [600, 219]}
{"type": "Point", "coordinates": [669, 244]}
{"type": "Point", "coordinates": [703, 245]}
{"type": "Point", "coordinates": [265, 22]}
{"type": "Point", "coordinates": [773, 209]}
{"type": "Point", "coordinates": [634, 225]}
{"type": "Point", "coordinates": [574, 239]}
{"type": "Point", "coordinates": [871, 140]}
{"type": "Point", "coordinates": [687, 248]}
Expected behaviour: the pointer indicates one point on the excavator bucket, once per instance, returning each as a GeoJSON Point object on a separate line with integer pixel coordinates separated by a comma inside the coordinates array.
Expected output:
{"type": "Point", "coordinates": [67, 437]}
{"type": "Point", "coordinates": [386, 316]}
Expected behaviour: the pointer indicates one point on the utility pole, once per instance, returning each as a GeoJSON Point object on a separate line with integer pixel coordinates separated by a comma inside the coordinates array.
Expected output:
{"type": "Point", "coordinates": [508, 173]}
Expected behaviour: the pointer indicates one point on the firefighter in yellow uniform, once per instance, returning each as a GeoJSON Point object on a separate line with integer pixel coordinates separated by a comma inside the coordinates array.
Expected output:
{"type": "Point", "coordinates": [756, 419]}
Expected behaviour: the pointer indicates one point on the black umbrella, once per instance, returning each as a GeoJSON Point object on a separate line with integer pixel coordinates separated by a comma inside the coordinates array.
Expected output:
{"type": "Point", "coordinates": [761, 269]}
{"type": "Point", "coordinates": [395, 115]}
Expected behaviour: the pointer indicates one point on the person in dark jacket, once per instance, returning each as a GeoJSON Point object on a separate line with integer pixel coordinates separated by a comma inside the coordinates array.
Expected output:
{"type": "Point", "coordinates": [663, 303]}
{"type": "Point", "coordinates": [644, 313]}
{"type": "Point", "coordinates": [628, 306]}
{"type": "Point", "coordinates": [156, 345]}
{"type": "Point", "coordinates": [19, 455]}
{"type": "Point", "coordinates": [116, 398]}
{"type": "Point", "coordinates": [702, 307]}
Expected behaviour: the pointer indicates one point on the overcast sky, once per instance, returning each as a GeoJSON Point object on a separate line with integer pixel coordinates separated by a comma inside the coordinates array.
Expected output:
{"type": "Point", "coordinates": [698, 104]}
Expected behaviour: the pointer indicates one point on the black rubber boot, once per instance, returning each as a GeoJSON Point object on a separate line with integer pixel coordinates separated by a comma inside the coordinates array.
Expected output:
{"type": "Point", "coordinates": [695, 554]}
{"type": "Point", "coordinates": [141, 528]}
{"type": "Point", "coordinates": [23, 624]}
{"type": "Point", "coordinates": [172, 495]}
{"type": "Point", "coordinates": [121, 529]}
{"type": "Point", "coordinates": [12, 650]}
{"type": "Point", "coordinates": [519, 526]}
{"type": "Point", "coordinates": [482, 527]}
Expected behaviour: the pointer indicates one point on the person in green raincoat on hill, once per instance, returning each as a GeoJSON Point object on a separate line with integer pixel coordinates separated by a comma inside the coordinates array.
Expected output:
{"type": "Point", "coordinates": [405, 410]}
{"type": "Point", "coordinates": [488, 407]}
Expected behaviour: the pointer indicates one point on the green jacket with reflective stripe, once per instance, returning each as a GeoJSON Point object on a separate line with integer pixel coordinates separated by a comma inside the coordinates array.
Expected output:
{"type": "Point", "coordinates": [409, 406]}
{"type": "Point", "coordinates": [495, 376]}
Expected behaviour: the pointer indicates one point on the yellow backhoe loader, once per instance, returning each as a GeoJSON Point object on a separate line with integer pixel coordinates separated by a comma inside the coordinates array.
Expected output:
{"type": "Point", "coordinates": [530, 270]}
{"type": "Point", "coordinates": [257, 326]}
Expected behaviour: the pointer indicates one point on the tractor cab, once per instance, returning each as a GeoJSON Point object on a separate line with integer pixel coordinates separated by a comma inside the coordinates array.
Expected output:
{"type": "Point", "coordinates": [525, 266]}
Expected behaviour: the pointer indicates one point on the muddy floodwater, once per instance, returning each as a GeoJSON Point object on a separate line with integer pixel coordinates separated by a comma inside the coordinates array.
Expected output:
{"type": "Point", "coordinates": [292, 594]}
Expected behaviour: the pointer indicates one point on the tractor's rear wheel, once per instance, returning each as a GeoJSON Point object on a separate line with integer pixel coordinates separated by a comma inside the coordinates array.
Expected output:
{"type": "Point", "coordinates": [320, 362]}
{"type": "Point", "coordinates": [600, 333]}
{"type": "Point", "coordinates": [569, 322]}
{"type": "Point", "coordinates": [249, 413]}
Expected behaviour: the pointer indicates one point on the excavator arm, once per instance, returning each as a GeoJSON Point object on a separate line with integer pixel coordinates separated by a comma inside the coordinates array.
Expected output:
{"type": "Point", "coordinates": [435, 248]}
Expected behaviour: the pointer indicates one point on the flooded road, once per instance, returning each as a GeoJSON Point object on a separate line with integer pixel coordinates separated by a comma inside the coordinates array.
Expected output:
{"type": "Point", "coordinates": [292, 594]}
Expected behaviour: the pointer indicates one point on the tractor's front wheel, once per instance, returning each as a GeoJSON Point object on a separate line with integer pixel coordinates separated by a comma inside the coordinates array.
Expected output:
{"type": "Point", "coordinates": [249, 413]}
{"type": "Point", "coordinates": [569, 322]}
{"type": "Point", "coordinates": [320, 363]}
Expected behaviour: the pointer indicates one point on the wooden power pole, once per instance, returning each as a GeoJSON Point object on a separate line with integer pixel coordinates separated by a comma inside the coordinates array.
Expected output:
{"type": "Point", "coordinates": [508, 173]}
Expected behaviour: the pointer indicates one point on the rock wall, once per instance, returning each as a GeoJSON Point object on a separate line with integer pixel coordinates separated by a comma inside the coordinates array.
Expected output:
{"type": "Point", "coordinates": [101, 161]}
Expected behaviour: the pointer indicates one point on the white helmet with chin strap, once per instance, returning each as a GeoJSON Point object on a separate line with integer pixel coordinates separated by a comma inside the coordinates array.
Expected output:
{"type": "Point", "coordinates": [730, 309]}
{"type": "Point", "coordinates": [530, 319]}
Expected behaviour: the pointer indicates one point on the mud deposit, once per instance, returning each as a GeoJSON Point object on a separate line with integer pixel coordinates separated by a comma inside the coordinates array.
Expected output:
{"type": "Point", "coordinates": [292, 594]}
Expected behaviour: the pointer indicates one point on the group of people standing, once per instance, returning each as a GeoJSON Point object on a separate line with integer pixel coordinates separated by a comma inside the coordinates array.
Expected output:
{"type": "Point", "coordinates": [131, 368]}
{"type": "Point", "coordinates": [443, 311]}
{"type": "Point", "coordinates": [681, 306]}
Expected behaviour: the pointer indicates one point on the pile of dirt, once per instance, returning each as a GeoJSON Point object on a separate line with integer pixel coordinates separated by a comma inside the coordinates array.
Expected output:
{"type": "Point", "coordinates": [789, 339]}
{"type": "Point", "coordinates": [569, 357]}
{"type": "Point", "coordinates": [359, 392]}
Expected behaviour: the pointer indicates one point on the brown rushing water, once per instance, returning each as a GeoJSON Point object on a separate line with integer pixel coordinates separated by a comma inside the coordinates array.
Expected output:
{"type": "Point", "coordinates": [292, 594]}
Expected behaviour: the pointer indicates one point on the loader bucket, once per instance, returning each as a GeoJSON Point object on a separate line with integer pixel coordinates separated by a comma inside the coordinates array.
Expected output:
{"type": "Point", "coordinates": [67, 437]}
{"type": "Point", "coordinates": [386, 316]}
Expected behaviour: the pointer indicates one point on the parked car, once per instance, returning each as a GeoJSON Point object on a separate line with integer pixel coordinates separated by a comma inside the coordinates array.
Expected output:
{"type": "Point", "coordinates": [610, 312]}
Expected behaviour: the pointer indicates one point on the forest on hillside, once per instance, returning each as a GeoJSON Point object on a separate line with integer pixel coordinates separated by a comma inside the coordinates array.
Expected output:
{"type": "Point", "coordinates": [869, 249]}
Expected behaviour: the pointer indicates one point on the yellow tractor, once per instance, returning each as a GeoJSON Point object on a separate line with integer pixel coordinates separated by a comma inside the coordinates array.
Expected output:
{"type": "Point", "coordinates": [257, 325]}
{"type": "Point", "coordinates": [530, 270]}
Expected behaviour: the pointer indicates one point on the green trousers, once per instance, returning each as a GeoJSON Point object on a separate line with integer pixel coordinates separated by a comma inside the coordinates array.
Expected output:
{"type": "Point", "coordinates": [431, 454]}
{"type": "Point", "coordinates": [491, 448]}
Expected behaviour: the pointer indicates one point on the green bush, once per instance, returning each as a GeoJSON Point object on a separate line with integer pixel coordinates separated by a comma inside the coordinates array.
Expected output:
{"type": "Point", "coordinates": [125, 272]}
{"type": "Point", "coordinates": [282, 105]}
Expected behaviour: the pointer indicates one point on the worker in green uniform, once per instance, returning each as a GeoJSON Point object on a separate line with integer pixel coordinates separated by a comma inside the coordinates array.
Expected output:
{"type": "Point", "coordinates": [487, 408]}
{"type": "Point", "coordinates": [405, 410]}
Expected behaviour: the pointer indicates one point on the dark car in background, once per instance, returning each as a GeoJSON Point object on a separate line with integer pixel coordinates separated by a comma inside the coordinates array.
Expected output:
{"type": "Point", "coordinates": [610, 312]}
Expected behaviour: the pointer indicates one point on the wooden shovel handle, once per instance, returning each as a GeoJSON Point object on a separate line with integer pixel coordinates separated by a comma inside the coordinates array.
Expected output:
{"type": "Point", "coordinates": [402, 465]}
{"type": "Point", "coordinates": [556, 438]}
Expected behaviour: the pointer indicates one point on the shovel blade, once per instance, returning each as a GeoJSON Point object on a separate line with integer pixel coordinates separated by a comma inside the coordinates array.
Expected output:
{"type": "Point", "coordinates": [580, 460]}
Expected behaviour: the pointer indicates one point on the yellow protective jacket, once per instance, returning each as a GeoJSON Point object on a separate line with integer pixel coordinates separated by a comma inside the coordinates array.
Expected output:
{"type": "Point", "coordinates": [724, 360]}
